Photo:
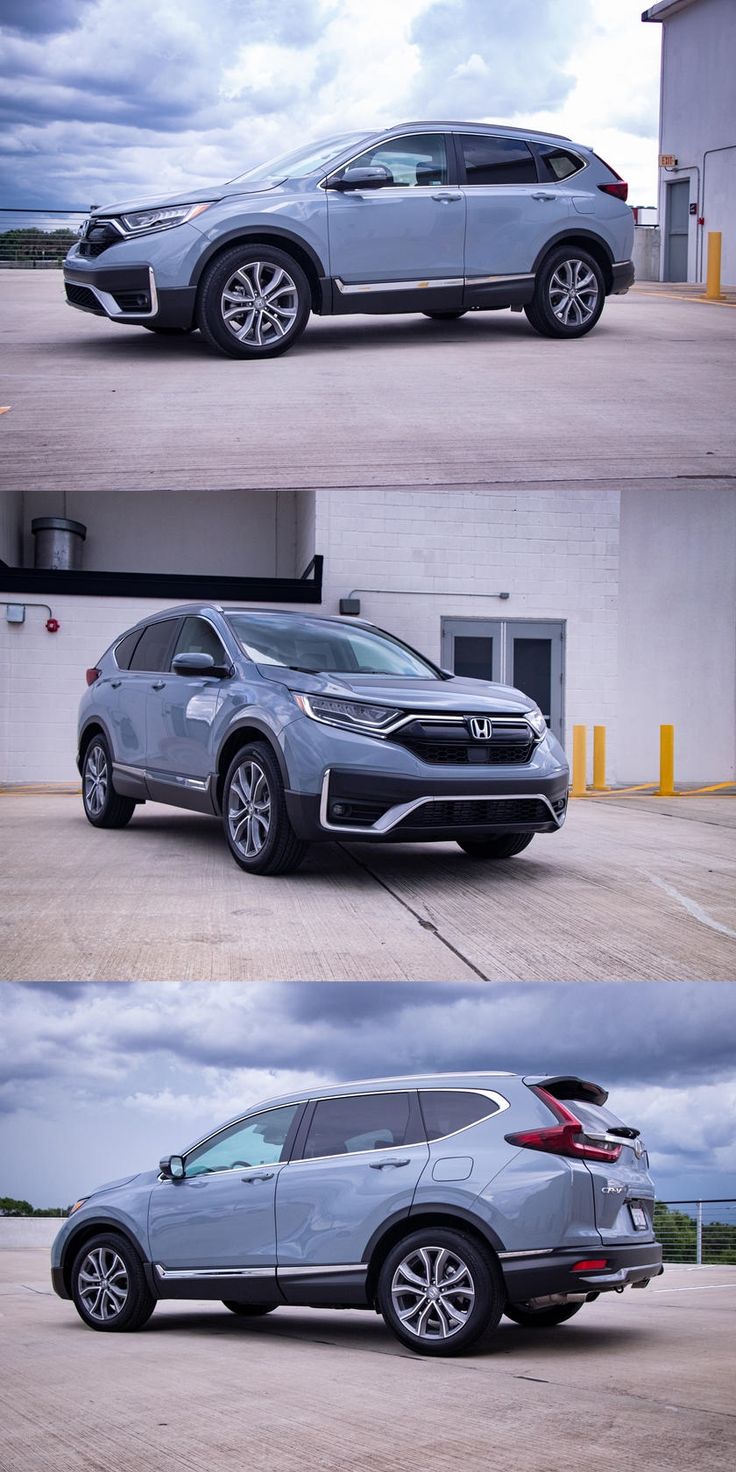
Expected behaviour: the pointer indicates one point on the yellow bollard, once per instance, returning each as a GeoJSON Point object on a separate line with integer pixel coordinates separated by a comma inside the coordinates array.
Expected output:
{"type": "Point", "coordinates": [579, 761]}
{"type": "Point", "coordinates": [599, 759]}
{"type": "Point", "coordinates": [713, 269]}
{"type": "Point", "coordinates": [666, 761]}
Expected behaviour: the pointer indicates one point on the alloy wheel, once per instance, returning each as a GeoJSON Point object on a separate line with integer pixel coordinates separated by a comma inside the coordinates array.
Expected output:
{"type": "Point", "coordinates": [249, 809]}
{"type": "Point", "coordinates": [103, 1284]}
{"type": "Point", "coordinates": [433, 1293]}
{"type": "Point", "coordinates": [259, 303]}
{"type": "Point", "coordinates": [95, 781]}
{"type": "Point", "coordinates": [573, 293]}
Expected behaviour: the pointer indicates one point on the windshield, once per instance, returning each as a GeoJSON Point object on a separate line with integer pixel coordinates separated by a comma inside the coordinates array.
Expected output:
{"type": "Point", "coordinates": [318, 646]}
{"type": "Point", "coordinates": [311, 159]}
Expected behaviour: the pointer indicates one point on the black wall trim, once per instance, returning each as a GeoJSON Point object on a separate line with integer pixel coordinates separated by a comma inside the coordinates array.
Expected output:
{"type": "Point", "coordinates": [202, 587]}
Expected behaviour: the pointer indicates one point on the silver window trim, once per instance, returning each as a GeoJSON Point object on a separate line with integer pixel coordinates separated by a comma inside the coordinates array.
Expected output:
{"type": "Point", "coordinates": [396, 814]}
{"type": "Point", "coordinates": [503, 1104]}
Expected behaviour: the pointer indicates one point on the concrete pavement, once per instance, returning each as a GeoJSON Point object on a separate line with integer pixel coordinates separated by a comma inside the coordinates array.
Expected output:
{"type": "Point", "coordinates": [641, 1379]}
{"type": "Point", "coordinates": [645, 397]}
{"type": "Point", "coordinates": [631, 889]}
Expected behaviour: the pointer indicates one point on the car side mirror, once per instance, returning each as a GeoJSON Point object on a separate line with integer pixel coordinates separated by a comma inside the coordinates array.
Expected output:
{"type": "Point", "coordinates": [197, 664]}
{"type": "Point", "coordinates": [361, 176]}
{"type": "Point", "coordinates": [172, 1167]}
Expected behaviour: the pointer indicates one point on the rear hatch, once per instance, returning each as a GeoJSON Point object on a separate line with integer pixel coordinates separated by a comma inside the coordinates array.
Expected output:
{"type": "Point", "coordinates": [613, 1153]}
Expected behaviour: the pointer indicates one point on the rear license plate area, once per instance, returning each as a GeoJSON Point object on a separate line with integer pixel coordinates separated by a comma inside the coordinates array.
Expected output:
{"type": "Point", "coordinates": [639, 1218]}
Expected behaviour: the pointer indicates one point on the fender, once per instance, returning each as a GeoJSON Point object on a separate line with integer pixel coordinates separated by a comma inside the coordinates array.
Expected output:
{"type": "Point", "coordinates": [253, 232]}
{"type": "Point", "coordinates": [253, 723]}
{"type": "Point", "coordinates": [430, 1208]}
{"type": "Point", "coordinates": [87, 1228]}
{"type": "Point", "coordinates": [94, 720]}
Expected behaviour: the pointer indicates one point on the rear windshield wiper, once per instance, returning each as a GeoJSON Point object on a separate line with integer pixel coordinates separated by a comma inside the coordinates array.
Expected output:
{"type": "Point", "coordinates": [623, 1129]}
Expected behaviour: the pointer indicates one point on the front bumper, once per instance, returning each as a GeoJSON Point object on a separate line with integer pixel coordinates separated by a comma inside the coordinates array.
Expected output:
{"type": "Point", "coordinates": [376, 807]}
{"type": "Point", "coordinates": [622, 274]}
{"type": "Point", "coordinates": [128, 294]}
{"type": "Point", "coordinates": [536, 1275]}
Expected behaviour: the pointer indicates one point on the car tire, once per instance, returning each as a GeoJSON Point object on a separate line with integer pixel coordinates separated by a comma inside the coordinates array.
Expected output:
{"type": "Point", "coordinates": [126, 1303]}
{"type": "Point", "coordinates": [256, 822]}
{"type": "Point", "coordinates": [103, 806]}
{"type": "Point", "coordinates": [249, 1310]}
{"type": "Point", "coordinates": [503, 847]}
{"type": "Point", "coordinates": [418, 1257]}
{"type": "Point", "coordinates": [245, 269]}
{"type": "Point", "coordinates": [567, 269]}
{"type": "Point", "coordinates": [541, 1318]}
{"type": "Point", "coordinates": [445, 316]}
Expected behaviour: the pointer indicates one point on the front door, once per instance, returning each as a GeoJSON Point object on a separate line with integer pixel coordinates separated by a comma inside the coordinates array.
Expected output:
{"type": "Point", "coordinates": [180, 714]}
{"type": "Point", "coordinates": [404, 237]}
{"type": "Point", "coordinates": [220, 1217]}
{"type": "Point", "coordinates": [677, 214]}
{"type": "Point", "coordinates": [525, 653]}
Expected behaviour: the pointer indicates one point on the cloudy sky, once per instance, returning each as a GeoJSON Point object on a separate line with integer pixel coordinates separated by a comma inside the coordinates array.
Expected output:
{"type": "Point", "coordinates": [99, 1081]}
{"type": "Point", "coordinates": [102, 98]}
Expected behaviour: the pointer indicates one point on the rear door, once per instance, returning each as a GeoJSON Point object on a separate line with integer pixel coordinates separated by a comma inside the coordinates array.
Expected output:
{"type": "Point", "coordinates": [361, 1158]}
{"type": "Point", "coordinates": [149, 661]}
{"type": "Point", "coordinates": [181, 711]}
{"type": "Point", "coordinates": [511, 214]}
{"type": "Point", "coordinates": [623, 1190]}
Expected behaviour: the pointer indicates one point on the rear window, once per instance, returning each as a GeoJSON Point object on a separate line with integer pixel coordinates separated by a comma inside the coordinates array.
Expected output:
{"type": "Point", "coordinates": [497, 160]}
{"type": "Point", "coordinates": [151, 651]}
{"type": "Point", "coordinates": [124, 650]}
{"type": "Point", "coordinates": [560, 163]}
{"type": "Point", "coordinates": [448, 1110]}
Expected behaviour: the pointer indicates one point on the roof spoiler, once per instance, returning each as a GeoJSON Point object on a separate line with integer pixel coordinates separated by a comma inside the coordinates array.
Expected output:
{"type": "Point", "coordinates": [569, 1087]}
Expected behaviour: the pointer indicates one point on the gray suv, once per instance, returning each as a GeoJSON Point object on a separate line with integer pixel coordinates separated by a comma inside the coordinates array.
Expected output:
{"type": "Point", "coordinates": [441, 1202]}
{"type": "Point", "coordinates": [296, 728]}
{"type": "Point", "coordinates": [432, 217]}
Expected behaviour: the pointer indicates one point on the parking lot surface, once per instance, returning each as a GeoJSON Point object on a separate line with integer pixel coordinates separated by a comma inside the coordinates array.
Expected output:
{"type": "Point", "coordinates": [646, 396]}
{"type": "Point", "coordinates": [631, 889]}
{"type": "Point", "coordinates": [638, 1380]}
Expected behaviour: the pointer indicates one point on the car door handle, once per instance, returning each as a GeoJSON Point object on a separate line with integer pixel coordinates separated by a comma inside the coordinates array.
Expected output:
{"type": "Point", "coordinates": [544, 196]}
{"type": "Point", "coordinates": [446, 198]}
{"type": "Point", "coordinates": [381, 1164]}
{"type": "Point", "coordinates": [158, 684]}
{"type": "Point", "coordinates": [264, 1175]}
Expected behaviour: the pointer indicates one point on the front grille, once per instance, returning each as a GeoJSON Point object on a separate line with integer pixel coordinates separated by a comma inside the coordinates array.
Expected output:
{"type": "Point", "coordinates": [99, 237]}
{"type": "Point", "coordinates": [81, 296]}
{"type": "Point", "coordinates": [458, 813]}
{"type": "Point", "coordinates": [450, 744]}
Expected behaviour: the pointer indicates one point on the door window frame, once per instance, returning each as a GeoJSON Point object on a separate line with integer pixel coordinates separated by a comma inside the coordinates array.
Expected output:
{"type": "Point", "coordinates": [288, 1146]}
{"type": "Point", "coordinates": [462, 176]}
{"type": "Point", "coordinates": [165, 667]}
{"type": "Point", "coordinates": [450, 149]}
{"type": "Point", "coordinates": [415, 1123]}
{"type": "Point", "coordinates": [202, 618]}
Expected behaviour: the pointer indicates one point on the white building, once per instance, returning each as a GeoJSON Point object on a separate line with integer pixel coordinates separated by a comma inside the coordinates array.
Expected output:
{"type": "Point", "coordinates": [697, 134]}
{"type": "Point", "coordinates": [613, 607]}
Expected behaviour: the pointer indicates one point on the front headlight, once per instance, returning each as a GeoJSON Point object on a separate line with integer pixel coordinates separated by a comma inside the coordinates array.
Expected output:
{"type": "Point", "coordinates": [350, 714]}
{"type": "Point", "coordinates": [162, 219]}
{"type": "Point", "coordinates": [536, 721]}
{"type": "Point", "coordinates": [77, 1205]}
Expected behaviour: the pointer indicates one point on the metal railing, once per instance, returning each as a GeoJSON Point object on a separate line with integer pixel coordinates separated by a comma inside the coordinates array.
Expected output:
{"type": "Point", "coordinates": [38, 239]}
{"type": "Point", "coordinates": [698, 1232]}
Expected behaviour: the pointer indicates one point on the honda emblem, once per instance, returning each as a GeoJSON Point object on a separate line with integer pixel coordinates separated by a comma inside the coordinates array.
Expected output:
{"type": "Point", "coordinates": [481, 728]}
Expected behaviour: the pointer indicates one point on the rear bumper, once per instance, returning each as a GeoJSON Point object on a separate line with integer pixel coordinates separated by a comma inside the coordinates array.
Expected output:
{"type": "Point", "coordinates": [375, 807]}
{"type": "Point", "coordinates": [128, 294]}
{"type": "Point", "coordinates": [536, 1275]}
{"type": "Point", "coordinates": [622, 273]}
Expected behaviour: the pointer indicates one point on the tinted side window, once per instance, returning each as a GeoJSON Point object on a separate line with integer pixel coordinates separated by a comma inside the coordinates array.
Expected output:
{"type": "Point", "coordinates": [152, 650]}
{"type": "Point", "coordinates": [259, 1140]}
{"type": "Point", "coordinates": [447, 1110]}
{"type": "Point", "coordinates": [198, 637]}
{"type": "Point", "coordinates": [418, 160]}
{"type": "Point", "coordinates": [559, 163]}
{"type": "Point", "coordinates": [361, 1122]}
{"type": "Point", "coordinates": [497, 160]}
{"type": "Point", "coordinates": [124, 651]}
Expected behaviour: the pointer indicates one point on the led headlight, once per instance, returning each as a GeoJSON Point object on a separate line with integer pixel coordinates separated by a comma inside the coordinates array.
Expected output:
{"type": "Point", "coordinates": [536, 721]}
{"type": "Point", "coordinates": [351, 714]}
{"type": "Point", "coordinates": [161, 219]}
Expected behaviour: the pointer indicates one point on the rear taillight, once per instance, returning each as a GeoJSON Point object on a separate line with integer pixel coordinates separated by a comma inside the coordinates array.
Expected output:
{"type": "Point", "coordinates": [566, 1138]}
{"type": "Point", "coordinates": [92, 675]}
{"type": "Point", "coordinates": [620, 190]}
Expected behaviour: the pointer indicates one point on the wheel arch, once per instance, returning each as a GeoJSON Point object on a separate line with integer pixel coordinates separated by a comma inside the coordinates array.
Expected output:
{"type": "Point", "coordinates": [588, 240]}
{"type": "Point", "coordinates": [284, 240]}
{"type": "Point", "coordinates": [246, 731]}
{"type": "Point", "coordinates": [92, 727]}
{"type": "Point", "coordinates": [84, 1233]}
{"type": "Point", "coordinates": [452, 1218]}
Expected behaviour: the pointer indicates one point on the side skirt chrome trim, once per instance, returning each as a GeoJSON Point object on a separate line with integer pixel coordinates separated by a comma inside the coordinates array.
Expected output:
{"type": "Point", "coordinates": [362, 286]}
{"type": "Point", "coordinates": [204, 1274]}
{"type": "Point", "coordinates": [170, 779]}
{"type": "Point", "coordinates": [399, 811]}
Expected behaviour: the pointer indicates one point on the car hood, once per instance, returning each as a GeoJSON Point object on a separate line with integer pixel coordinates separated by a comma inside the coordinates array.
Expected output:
{"type": "Point", "coordinates": [455, 694]}
{"type": "Point", "coordinates": [141, 1177]}
{"type": "Point", "coordinates": [187, 196]}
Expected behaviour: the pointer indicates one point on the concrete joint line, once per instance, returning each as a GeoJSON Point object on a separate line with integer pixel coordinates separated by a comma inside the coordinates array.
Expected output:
{"type": "Point", "coordinates": [693, 908]}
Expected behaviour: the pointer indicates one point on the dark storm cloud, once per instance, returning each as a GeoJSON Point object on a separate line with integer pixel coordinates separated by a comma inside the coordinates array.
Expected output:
{"type": "Point", "coordinates": [41, 17]}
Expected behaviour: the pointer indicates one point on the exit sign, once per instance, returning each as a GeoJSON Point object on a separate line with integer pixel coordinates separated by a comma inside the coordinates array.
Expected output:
{"type": "Point", "coordinates": [668, 160]}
